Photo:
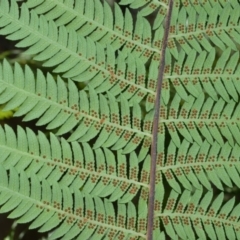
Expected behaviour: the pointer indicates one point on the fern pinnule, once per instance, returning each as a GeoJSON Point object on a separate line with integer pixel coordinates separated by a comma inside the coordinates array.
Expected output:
{"type": "Point", "coordinates": [206, 5]}
{"type": "Point", "coordinates": [193, 165]}
{"type": "Point", "coordinates": [86, 114]}
{"type": "Point", "coordinates": [74, 56]}
{"type": "Point", "coordinates": [72, 165]}
{"type": "Point", "coordinates": [185, 215]}
{"type": "Point", "coordinates": [147, 7]}
{"type": "Point", "coordinates": [98, 22]}
{"type": "Point", "coordinates": [51, 208]}
{"type": "Point", "coordinates": [193, 74]}
{"type": "Point", "coordinates": [199, 128]}
{"type": "Point", "coordinates": [202, 118]}
{"type": "Point", "coordinates": [221, 30]}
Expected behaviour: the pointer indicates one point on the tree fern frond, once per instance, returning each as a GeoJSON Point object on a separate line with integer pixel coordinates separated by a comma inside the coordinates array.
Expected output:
{"type": "Point", "coordinates": [50, 101]}
{"type": "Point", "coordinates": [92, 19]}
{"type": "Point", "coordinates": [76, 57]}
{"type": "Point", "coordinates": [72, 165]}
{"type": "Point", "coordinates": [190, 31]}
{"type": "Point", "coordinates": [188, 217]}
{"type": "Point", "coordinates": [193, 165]}
{"type": "Point", "coordinates": [52, 208]}
{"type": "Point", "coordinates": [91, 174]}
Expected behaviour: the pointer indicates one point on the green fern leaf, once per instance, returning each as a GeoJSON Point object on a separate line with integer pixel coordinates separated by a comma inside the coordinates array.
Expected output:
{"type": "Point", "coordinates": [80, 62]}
{"type": "Point", "coordinates": [92, 19]}
{"type": "Point", "coordinates": [205, 118]}
{"type": "Point", "coordinates": [90, 174]}
{"type": "Point", "coordinates": [71, 165]}
{"type": "Point", "coordinates": [53, 207]}
{"type": "Point", "coordinates": [194, 76]}
{"type": "Point", "coordinates": [221, 30]}
{"type": "Point", "coordinates": [186, 213]}
{"type": "Point", "coordinates": [206, 169]}
{"type": "Point", "coordinates": [56, 108]}
{"type": "Point", "coordinates": [148, 7]}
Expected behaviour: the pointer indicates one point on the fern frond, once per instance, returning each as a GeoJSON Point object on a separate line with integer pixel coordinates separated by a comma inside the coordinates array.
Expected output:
{"type": "Point", "coordinates": [190, 31]}
{"type": "Point", "coordinates": [72, 165]}
{"type": "Point", "coordinates": [194, 74]}
{"type": "Point", "coordinates": [96, 183]}
{"type": "Point", "coordinates": [78, 58]}
{"type": "Point", "coordinates": [98, 22]}
{"type": "Point", "coordinates": [52, 208]}
{"type": "Point", "coordinates": [206, 5]}
{"type": "Point", "coordinates": [192, 165]}
{"type": "Point", "coordinates": [202, 118]}
{"type": "Point", "coordinates": [192, 217]}
{"type": "Point", "coordinates": [50, 102]}
{"type": "Point", "coordinates": [150, 6]}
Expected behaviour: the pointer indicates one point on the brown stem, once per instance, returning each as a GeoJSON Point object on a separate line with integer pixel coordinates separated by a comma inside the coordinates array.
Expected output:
{"type": "Point", "coordinates": [156, 120]}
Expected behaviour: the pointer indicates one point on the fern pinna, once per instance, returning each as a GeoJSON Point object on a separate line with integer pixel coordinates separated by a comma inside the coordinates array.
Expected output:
{"type": "Point", "coordinates": [89, 174]}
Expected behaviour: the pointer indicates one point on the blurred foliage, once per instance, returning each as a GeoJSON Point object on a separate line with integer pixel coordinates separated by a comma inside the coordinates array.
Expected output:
{"type": "Point", "coordinates": [5, 114]}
